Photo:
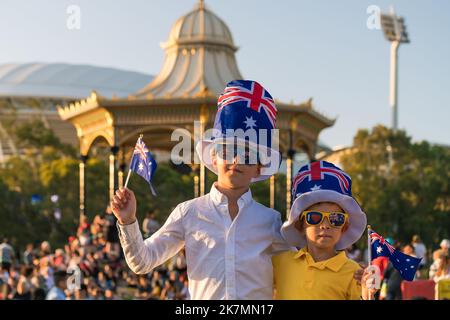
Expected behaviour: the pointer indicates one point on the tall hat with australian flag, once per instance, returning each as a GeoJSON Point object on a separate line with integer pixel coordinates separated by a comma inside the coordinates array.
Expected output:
{"type": "Point", "coordinates": [246, 116]}
{"type": "Point", "coordinates": [322, 181]}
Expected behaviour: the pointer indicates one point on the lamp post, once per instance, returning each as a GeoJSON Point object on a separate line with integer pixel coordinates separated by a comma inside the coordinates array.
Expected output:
{"type": "Point", "coordinates": [394, 30]}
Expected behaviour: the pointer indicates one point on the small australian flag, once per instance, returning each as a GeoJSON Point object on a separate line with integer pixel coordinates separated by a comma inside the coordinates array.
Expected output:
{"type": "Point", "coordinates": [143, 163]}
{"type": "Point", "coordinates": [405, 264]}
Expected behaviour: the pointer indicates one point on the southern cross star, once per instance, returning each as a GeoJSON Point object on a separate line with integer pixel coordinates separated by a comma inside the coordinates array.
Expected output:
{"type": "Point", "coordinates": [250, 122]}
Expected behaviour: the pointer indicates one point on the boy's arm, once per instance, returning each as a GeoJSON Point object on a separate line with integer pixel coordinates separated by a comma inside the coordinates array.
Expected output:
{"type": "Point", "coordinates": [275, 265]}
{"type": "Point", "coordinates": [142, 256]}
{"type": "Point", "coordinates": [355, 292]}
{"type": "Point", "coordinates": [278, 242]}
{"type": "Point", "coordinates": [144, 225]}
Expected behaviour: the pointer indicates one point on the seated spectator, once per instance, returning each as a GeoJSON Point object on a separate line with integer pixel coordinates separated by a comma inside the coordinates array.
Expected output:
{"type": "Point", "coordinates": [7, 255]}
{"type": "Point", "coordinates": [168, 292]}
{"type": "Point", "coordinates": [144, 288]}
{"type": "Point", "coordinates": [110, 294]}
{"type": "Point", "coordinates": [60, 284]}
{"type": "Point", "coordinates": [443, 268]}
{"type": "Point", "coordinates": [184, 294]}
{"type": "Point", "coordinates": [28, 254]}
{"type": "Point", "coordinates": [45, 249]}
{"type": "Point", "coordinates": [59, 260]}
{"type": "Point", "coordinates": [420, 250]}
{"type": "Point", "coordinates": [81, 294]}
{"type": "Point", "coordinates": [103, 282]}
{"type": "Point", "coordinates": [24, 285]}
{"type": "Point", "coordinates": [150, 225]}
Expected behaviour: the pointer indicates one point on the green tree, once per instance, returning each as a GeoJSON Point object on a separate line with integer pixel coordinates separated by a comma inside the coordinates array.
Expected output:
{"type": "Point", "coordinates": [48, 167]}
{"type": "Point", "coordinates": [402, 186]}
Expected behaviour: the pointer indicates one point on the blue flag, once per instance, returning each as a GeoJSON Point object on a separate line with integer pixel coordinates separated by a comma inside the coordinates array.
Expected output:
{"type": "Point", "coordinates": [143, 163]}
{"type": "Point", "coordinates": [405, 264]}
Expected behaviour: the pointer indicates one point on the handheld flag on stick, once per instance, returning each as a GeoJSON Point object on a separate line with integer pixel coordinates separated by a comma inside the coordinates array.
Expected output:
{"type": "Point", "coordinates": [405, 264]}
{"type": "Point", "coordinates": [369, 254]}
{"type": "Point", "coordinates": [143, 163]}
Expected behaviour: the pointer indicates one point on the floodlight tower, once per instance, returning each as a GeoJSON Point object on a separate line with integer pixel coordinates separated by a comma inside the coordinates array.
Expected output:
{"type": "Point", "coordinates": [394, 31]}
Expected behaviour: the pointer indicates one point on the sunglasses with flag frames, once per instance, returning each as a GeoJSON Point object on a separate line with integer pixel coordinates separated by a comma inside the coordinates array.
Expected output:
{"type": "Point", "coordinates": [315, 217]}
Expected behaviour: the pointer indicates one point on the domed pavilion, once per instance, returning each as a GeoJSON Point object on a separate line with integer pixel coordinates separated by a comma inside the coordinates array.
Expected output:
{"type": "Point", "coordinates": [199, 61]}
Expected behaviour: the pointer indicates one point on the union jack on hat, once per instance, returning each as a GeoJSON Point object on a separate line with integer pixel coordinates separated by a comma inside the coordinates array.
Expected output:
{"type": "Point", "coordinates": [244, 107]}
{"type": "Point", "coordinates": [322, 181]}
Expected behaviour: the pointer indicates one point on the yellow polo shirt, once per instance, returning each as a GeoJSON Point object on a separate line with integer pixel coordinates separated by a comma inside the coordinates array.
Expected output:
{"type": "Point", "coordinates": [299, 277]}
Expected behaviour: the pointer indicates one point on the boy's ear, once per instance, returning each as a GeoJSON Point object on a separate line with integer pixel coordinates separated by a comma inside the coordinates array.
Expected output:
{"type": "Point", "coordinates": [214, 161]}
{"type": "Point", "coordinates": [258, 171]}
{"type": "Point", "coordinates": [300, 226]}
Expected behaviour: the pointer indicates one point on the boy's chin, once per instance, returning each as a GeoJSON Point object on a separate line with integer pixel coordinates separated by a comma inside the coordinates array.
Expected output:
{"type": "Point", "coordinates": [324, 243]}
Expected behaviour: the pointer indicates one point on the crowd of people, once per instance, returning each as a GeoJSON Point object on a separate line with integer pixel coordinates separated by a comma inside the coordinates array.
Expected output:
{"type": "Point", "coordinates": [91, 266]}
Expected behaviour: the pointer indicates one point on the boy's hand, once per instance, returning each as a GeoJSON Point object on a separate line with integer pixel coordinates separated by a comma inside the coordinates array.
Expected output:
{"type": "Point", "coordinates": [359, 273]}
{"type": "Point", "coordinates": [366, 277]}
{"type": "Point", "coordinates": [370, 281]}
{"type": "Point", "coordinates": [123, 206]}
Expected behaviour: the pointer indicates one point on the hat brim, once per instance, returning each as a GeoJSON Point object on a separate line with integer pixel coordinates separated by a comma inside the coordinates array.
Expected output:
{"type": "Point", "coordinates": [204, 151]}
{"type": "Point", "coordinates": [357, 218]}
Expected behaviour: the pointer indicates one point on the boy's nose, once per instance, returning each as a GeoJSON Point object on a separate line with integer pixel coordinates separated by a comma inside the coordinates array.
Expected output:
{"type": "Point", "coordinates": [325, 224]}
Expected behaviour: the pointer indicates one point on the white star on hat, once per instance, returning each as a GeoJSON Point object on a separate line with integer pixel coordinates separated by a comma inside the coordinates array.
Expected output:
{"type": "Point", "coordinates": [250, 122]}
{"type": "Point", "coordinates": [316, 187]}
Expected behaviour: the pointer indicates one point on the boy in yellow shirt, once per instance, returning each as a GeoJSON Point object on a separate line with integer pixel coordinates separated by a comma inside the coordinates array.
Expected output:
{"type": "Point", "coordinates": [324, 220]}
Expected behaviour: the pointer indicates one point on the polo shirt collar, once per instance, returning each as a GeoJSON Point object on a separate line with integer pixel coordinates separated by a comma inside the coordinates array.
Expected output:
{"type": "Point", "coordinates": [334, 264]}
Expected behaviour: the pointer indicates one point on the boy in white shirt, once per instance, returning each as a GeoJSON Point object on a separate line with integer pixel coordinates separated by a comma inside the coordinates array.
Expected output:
{"type": "Point", "coordinates": [229, 238]}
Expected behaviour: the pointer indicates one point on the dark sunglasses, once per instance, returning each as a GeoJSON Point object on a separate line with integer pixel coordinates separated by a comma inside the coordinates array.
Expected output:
{"type": "Point", "coordinates": [244, 155]}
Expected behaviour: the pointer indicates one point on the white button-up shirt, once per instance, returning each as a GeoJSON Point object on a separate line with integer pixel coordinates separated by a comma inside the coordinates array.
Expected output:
{"type": "Point", "coordinates": [226, 259]}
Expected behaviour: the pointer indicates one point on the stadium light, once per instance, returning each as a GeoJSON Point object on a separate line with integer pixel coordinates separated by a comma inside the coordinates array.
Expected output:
{"type": "Point", "coordinates": [394, 30]}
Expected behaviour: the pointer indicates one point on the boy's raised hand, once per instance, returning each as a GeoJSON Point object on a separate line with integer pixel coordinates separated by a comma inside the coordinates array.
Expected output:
{"type": "Point", "coordinates": [358, 275]}
{"type": "Point", "coordinates": [366, 277]}
{"type": "Point", "coordinates": [370, 282]}
{"type": "Point", "coordinates": [123, 206]}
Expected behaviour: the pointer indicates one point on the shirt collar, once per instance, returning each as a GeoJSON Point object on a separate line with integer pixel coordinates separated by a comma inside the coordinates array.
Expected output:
{"type": "Point", "coordinates": [334, 264]}
{"type": "Point", "coordinates": [218, 198]}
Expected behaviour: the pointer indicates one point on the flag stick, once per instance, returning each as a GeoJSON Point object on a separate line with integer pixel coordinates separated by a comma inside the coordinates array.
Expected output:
{"type": "Point", "coordinates": [129, 170]}
{"type": "Point", "coordinates": [152, 190]}
{"type": "Point", "coordinates": [369, 255]}
{"type": "Point", "coordinates": [128, 178]}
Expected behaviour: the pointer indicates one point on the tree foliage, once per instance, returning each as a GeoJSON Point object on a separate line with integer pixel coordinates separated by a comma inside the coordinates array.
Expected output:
{"type": "Point", "coordinates": [403, 186]}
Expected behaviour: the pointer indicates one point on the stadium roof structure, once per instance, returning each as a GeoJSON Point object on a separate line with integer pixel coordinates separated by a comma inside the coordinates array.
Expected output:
{"type": "Point", "coordinates": [68, 81]}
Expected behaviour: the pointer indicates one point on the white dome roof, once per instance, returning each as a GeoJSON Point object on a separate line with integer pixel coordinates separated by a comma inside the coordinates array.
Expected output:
{"type": "Point", "coordinates": [200, 24]}
{"type": "Point", "coordinates": [60, 80]}
{"type": "Point", "coordinates": [199, 58]}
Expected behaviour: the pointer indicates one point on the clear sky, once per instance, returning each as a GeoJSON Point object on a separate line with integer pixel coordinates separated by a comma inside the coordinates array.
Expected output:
{"type": "Point", "coordinates": [297, 49]}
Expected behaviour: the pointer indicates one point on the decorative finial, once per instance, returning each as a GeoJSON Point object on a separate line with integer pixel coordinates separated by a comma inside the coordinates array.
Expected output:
{"type": "Point", "coordinates": [392, 10]}
{"type": "Point", "coordinates": [202, 4]}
